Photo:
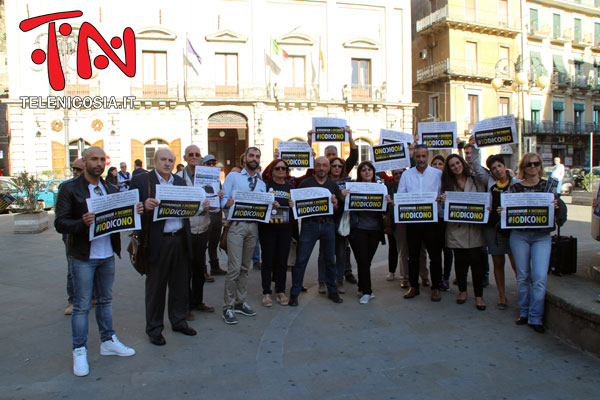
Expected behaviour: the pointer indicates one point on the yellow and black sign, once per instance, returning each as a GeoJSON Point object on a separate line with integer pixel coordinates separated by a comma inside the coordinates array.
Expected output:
{"type": "Point", "coordinates": [118, 219]}
{"type": "Point", "coordinates": [438, 140]}
{"type": "Point", "coordinates": [296, 159]}
{"type": "Point", "coordinates": [330, 134]}
{"type": "Point", "coordinates": [494, 137]}
{"type": "Point", "coordinates": [415, 212]}
{"type": "Point", "coordinates": [528, 217]}
{"type": "Point", "coordinates": [369, 202]}
{"type": "Point", "coordinates": [460, 212]}
{"type": "Point", "coordinates": [249, 212]}
{"type": "Point", "coordinates": [177, 209]}
{"type": "Point", "coordinates": [388, 152]}
{"type": "Point", "coordinates": [312, 207]}
{"type": "Point", "coordinates": [6, 200]}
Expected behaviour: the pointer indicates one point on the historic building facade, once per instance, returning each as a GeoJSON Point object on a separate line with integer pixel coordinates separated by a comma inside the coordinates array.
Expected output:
{"type": "Point", "coordinates": [223, 74]}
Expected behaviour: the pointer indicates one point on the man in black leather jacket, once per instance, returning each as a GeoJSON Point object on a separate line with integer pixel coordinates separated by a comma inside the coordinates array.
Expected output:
{"type": "Point", "coordinates": [92, 262]}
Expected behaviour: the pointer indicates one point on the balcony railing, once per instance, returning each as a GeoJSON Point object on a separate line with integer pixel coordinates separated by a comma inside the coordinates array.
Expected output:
{"type": "Point", "coordinates": [561, 78]}
{"type": "Point", "coordinates": [78, 89]}
{"type": "Point", "coordinates": [560, 128]}
{"type": "Point", "coordinates": [458, 68]}
{"type": "Point", "coordinates": [539, 32]}
{"type": "Point", "coordinates": [240, 91]}
{"type": "Point", "coordinates": [167, 90]}
{"type": "Point", "coordinates": [363, 92]}
{"type": "Point", "coordinates": [475, 17]}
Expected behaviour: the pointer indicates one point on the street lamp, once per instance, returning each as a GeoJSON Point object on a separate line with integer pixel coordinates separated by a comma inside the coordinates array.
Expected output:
{"type": "Point", "coordinates": [520, 79]}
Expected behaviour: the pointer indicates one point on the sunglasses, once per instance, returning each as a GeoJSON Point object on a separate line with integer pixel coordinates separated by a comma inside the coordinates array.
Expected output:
{"type": "Point", "coordinates": [534, 164]}
{"type": "Point", "coordinates": [337, 166]}
{"type": "Point", "coordinates": [251, 183]}
{"type": "Point", "coordinates": [280, 168]}
{"type": "Point", "coordinates": [211, 163]}
{"type": "Point", "coordinates": [197, 155]}
{"type": "Point", "coordinates": [76, 169]}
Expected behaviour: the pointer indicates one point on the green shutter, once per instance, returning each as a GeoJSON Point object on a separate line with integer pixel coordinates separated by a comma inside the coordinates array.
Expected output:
{"type": "Point", "coordinates": [596, 107]}
{"type": "Point", "coordinates": [536, 64]}
{"type": "Point", "coordinates": [536, 105]}
{"type": "Point", "coordinates": [556, 25]}
{"type": "Point", "coordinates": [579, 107]}
{"type": "Point", "coordinates": [577, 26]}
{"type": "Point", "coordinates": [558, 105]}
{"type": "Point", "coordinates": [533, 19]}
{"type": "Point", "coordinates": [558, 63]}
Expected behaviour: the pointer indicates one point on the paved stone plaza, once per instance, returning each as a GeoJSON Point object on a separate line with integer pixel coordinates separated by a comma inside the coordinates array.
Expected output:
{"type": "Point", "coordinates": [389, 349]}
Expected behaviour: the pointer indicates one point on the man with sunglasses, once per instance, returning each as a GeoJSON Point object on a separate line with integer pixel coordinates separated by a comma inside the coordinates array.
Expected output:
{"type": "Point", "coordinates": [241, 239]}
{"type": "Point", "coordinates": [92, 262]}
{"type": "Point", "coordinates": [123, 177]}
{"type": "Point", "coordinates": [214, 230]}
{"type": "Point", "coordinates": [199, 228]}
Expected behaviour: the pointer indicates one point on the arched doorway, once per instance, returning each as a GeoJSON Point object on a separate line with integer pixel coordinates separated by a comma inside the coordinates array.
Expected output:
{"type": "Point", "coordinates": [227, 138]}
{"type": "Point", "coordinates": [150, 148]}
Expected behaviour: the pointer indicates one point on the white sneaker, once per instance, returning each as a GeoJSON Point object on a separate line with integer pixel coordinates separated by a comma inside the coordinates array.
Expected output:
{"type": "Point", "coordinates": [80, 364]}
{"type": "Point", "coordinates": [113, 347]}
{"type": "Point", "coordinates": [365, 298]}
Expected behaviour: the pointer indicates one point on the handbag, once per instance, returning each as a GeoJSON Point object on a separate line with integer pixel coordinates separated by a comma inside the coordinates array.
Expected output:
{"type": "Point", "coordinates": [344, 226]}
{"type": "Point", "coordinates": [138, 246]}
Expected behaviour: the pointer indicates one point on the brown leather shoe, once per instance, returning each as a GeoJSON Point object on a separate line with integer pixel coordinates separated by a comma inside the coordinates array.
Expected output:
{"type": "Point", "coordinates": [404, 284]}
{"type": "Point", "coordinates": [204, 308]}
{"type": "Point", "coordinates": [208, 278]}
{"type": "Point", "coordinates": [435, 295]}
{"type": "Point", "coordinates": [190, 317]}
{"type": "Point", "coordinates": [412, 292]}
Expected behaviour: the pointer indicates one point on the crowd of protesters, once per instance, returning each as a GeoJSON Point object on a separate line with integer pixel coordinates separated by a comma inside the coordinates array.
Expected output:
{"type": "Point", "coordinates": [177, 247]}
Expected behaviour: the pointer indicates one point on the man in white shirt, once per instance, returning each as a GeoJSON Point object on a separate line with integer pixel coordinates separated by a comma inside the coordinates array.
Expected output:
{"type": "Point", "coordinates": [419, 179]}
{"type": "Point", "coordinates": [169, 253]}
{"type": "Point", "coordinates": [558, 173]}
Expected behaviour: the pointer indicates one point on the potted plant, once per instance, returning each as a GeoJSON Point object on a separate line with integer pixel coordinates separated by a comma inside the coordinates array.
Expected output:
{"type": "Point", "coordinates": [30, 217]}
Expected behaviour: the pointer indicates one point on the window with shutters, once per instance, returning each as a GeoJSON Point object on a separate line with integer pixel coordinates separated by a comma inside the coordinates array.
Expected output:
{"type": "Point", "coordinates": [226, 74]}
{"type": "Point", "coordinates": [150, 148]}
{"type": "Point", "coordinates": [556, 31]}
{"type": "Point", "coordinates": [503, 12]}
{"type": "Point", "coordinates": [471, 64]}
{"type": "Point", "coordinates": [577, 29]}
{"type": "Point", "coordinates": [473, 105]}
{"type": "Point", "coordinates": [534, 24]}
{"type": "Point", "coordinates": [154, 67]}
{"type": "Point", "coordinates": [361, 78]}
{"type": "Point", "coordinates": [597, 34]}
{"type": "Point", "coordinates": [295, 77]}
{"type": "Point", "coordinates": [504, 106]}
{"type": "Point", "coordinates": [364, 148]}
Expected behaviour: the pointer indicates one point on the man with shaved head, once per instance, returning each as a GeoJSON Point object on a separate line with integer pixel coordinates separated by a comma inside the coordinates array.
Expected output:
{"type": "Point", "coordinates": [169, 253]}
{"type": "Point", "coordinates": [320, 228]}
{"type": "Point", "coordinates": [92, 262]}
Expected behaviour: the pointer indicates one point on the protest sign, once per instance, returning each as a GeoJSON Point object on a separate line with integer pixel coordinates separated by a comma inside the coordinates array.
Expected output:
{"type": "Point", "coordinates": [329, 130]}
{"type": "Point", "coordinates": [114, 213]}
{"type": "Point", "coordinates": [365, 196]}
{"type": "Point", "coordinates": [438, 135]}
{"type": "Point", "coordinates": [342, 182]}
{"type": "Point", "coordinates": [388, 136]}
{"type": "Point", "coordinates": [311, 202]}
{"type": "Point", "coordinates": [178, 201]}
{"type": "Point", "coordinates": [251, 206]}
{"type": "Point", "coordinates": [495, 131]}
{"type": "Point", "coordinates": [296, 154]}
{"type": "Point", "coordinates": [415, 207]}
{"type": "Point", "coordinates": [387, 157]}
{"type": "Point", "coordinates": [280, 215]}
{"type": "Point", "coordinates": [209, 179]}
{"type": "Point", "coordinates": [6, 199]}
{"type": "Point", "coordinates": [467, 207]}
{"type": "Point", "coordinates": [527, 210]}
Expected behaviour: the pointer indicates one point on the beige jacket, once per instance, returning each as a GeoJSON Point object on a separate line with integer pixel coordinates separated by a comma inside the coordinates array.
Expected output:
{"type": "Point", "coordinates": [465, 236]}
{"type": "Point", "coordinates": [199, 223]}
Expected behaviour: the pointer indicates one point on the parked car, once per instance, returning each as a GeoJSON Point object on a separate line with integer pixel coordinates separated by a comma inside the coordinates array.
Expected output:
{"type": "Point", "coordinates": [46, 195]}
{"type": "Point", "coordinates": [568, 181]}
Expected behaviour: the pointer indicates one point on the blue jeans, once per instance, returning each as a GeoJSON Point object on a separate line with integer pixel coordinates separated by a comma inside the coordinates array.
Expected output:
{"type": "Point", "coordinates": [256, 254]}
{"type": "Point", "coordinates": [310, 233]}
{"type": "Point", "coordinates": [531, 250]}
{"type": "Point", "coordinates": [87, 275]}
{"type": "Point", "coordinates": [340, 259]}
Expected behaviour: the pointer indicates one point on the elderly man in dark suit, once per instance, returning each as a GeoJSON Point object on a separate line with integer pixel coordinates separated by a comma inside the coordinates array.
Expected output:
{"type": "Point", "coordinates": [169, 253]}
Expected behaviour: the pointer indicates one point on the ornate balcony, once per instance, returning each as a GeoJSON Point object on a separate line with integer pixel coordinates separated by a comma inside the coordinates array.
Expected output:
{"type": "Point", "coordinates": [457, 69]}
